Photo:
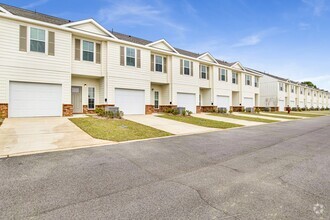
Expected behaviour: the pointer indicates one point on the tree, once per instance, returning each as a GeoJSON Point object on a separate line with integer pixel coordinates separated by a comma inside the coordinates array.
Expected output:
{"type": "Point", "coordinates": [309, 83]}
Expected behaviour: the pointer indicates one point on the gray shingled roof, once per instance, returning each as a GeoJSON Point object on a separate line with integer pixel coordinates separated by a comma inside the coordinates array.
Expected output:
{"type": "Point", "coordinates": [59, 21]}
{"type": "Point", "coordinates": [34, 15]}
{"type": "Point", "coordinates": [267, 74]}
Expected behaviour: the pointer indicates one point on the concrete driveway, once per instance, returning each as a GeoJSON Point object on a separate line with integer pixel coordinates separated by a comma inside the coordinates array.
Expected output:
{"type": "Point", "coordinates": [171, 126]}
{"type": "Point", "coordinates": [28, 135]}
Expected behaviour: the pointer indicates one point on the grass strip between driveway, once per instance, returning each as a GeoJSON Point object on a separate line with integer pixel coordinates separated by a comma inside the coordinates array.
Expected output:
{"type": "Point", "coordinates": [201, 121]}
{"type": "Point", "coordinates": [271, 116]}
{"type": "Point", "coordinates": [117, 130]}
{"type": "Point", "coordinates": [297, 114]}
{"type": "Point", "coordinates": [245, 118]}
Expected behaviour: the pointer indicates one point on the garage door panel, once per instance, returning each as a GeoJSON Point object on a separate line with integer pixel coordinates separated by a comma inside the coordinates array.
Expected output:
{"type": "Point", "coordinates": [187, 100]}
{"type": "Point", "coordinates": [35, 99]}
{"type": "Point", "coordinates": [130, 101]}
{"type": "Point", "coordinates": [281, 105]}
{"type": "Point", "coordinates": [223, 102]}
{"type": "Point", "coordinates": [248, 102]}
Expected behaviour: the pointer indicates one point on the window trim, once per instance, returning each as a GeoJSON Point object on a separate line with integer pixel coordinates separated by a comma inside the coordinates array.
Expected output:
{"type": "Point", "coordinates": [93, 87]}
{"type": "Point", "coordinates": [82, 50]}
{"type": "Point", "coordinates": [256, 82]}
{"type": "Point", "coordinates": [226, 74]}
{"type": "Point", "coordinates": [236, 78]}
{"type": "Point", "coordinates": [184, 67]}
{"type": "Point", "coordinates": [29, 40]}
{"type": "Point", "coordinates": [281, 86]}
{"type": "Point", "coordinates": [135, 56]}
{"type": "Point", "coordinates": [202, 65]}
{"type": "Point", "coordinates": [155, 63]}
{"type": "Point", "coordinates": [246, 80]}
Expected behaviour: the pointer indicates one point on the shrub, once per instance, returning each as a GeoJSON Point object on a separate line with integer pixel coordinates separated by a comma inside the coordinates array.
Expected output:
{"type": "Point", "coordinates": [322, 109]}
{"type": "Point", "coordinates": [188, 112]}
{"type": "Point", "coordinates": [257, 110]}
{"type": "Point", "coordinates": [109, 114]}
{"type": "Point", "coordinates": [183, 112]}
{"type": "Point", "coordinates": [230, 111]}
{"type": "Point", "coordinates": [222, 110]}
{"type": "Point", "coordinates": [175, 112]}
{"type": "Point", "coordinates": [327, 109]}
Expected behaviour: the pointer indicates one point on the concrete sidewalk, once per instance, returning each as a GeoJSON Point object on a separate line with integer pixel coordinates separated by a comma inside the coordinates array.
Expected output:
{"type": "Point", "coordinates": [171, 126]}
{"type": "Point", "coordinates": [261, 116]}
{"type": "Point", "coordinates": [30, 135]}
{"type": "Point", "coordinates": [229, 120]}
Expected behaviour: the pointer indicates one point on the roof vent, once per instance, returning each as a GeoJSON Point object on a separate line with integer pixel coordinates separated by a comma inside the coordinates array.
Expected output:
{"type": "Point", "coordinates": [129, 36]}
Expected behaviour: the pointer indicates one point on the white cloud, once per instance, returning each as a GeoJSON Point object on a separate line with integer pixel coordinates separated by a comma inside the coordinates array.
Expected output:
{"type": "Point", "coordinates": [318, 6]}
{"type": "Point", "coordinates": [138, 13]}
{"type": "Point", "coordinates": [256, 38]}
{"type": "Point", "coordinates": [304, 26]}
{"type": "Point", "coordinates": [35, 4]}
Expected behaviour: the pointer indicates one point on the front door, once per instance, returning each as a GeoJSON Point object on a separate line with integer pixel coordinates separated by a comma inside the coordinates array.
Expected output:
{"type": "Point", "coordinates": [76, 99]}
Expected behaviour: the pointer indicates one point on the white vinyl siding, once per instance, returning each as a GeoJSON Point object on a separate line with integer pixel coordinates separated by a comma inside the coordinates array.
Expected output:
{"type": "Point", "coordinates": [37, 40]}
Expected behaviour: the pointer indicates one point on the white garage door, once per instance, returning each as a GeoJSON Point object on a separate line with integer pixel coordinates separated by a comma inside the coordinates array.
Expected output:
{"type": "Point", "coordinates": [281, 105]}
{"type": "Point", "coordinates": [131, 102]}
{"type": "Point", "coordinates": [248, 102]}
{"type": "Point", "coordinates": [188, 101]}
{"type": "Point", "coordinates": [34, 99]}
{"type": "Point", "coordinates": [292, 104]}
{"type": "Point", "coordinates": [223, 102]}
{"type": "Point", "coordinates": [301, 104]}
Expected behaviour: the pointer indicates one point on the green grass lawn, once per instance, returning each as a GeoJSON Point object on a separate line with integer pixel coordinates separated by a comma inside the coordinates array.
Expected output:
{"type": "Point", "coordinates": [116, 130]}
{"type": "Point", "coordinates": [201, 121]}
{"type": "Point", "coordinates": [305, 114]}
{"type": "Point", "coordinates": [272, 116]}
{"type": "Point", "coordinates": [245, 118]}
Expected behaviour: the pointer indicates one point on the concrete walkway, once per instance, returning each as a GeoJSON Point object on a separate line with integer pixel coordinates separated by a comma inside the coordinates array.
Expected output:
{"type": "Point", "coordinates": [31, 135]}
{"type": "Point", "coordinates": [168, 125]}
{"type": "Point", "coordinates": [289, 116]}
{"type": "Point", "coordinates": [261, 116]}
{"type": "Point", "coordinates": [229, 120]}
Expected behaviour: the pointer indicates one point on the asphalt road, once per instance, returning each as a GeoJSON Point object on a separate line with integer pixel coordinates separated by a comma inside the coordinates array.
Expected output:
{"type": "Point", "coordinates": [275, 171]}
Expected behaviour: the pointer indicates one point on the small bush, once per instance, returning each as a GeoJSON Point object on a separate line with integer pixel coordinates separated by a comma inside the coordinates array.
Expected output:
{"type": "Point", "coordinates": [188, 112]}
{"type": "Point", "coordinates": [183, 113]}
{"type": "Point", "coordinates": [327, 109]}
{"type": "Point", "coordinates": [257, 110]}
{"type": "Point", "coordinates": [230, 111]}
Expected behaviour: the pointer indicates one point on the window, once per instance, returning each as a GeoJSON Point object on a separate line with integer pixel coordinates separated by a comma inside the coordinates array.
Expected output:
{"type": "Point", "coordinates": [292, 89]}
{"type": "Point", "coordinates": [37, 40]}
{"type": "Point", "coordinates": [309, 93]}
{"type": "Point", "coordinates": [286, 88]}
{"type": "Point", "coordinates": [301, 91]}
{"type": "Point", "coordinates": [203, 72]}
{"type": "Point", "coordinates": [91, 97]}
{"type": "Point", "coordinates": [186, 69]}
{"type": "Point", "coordinates": [281, 86]}
{"type": "Point", "coordinates": [159, 64]}
{"type": "Point", "coordinates": [130, 56]}
{"type": "Point", "coordinates": [256, 81]}
{"type": "Point", "coordinates": [248, 80]}
{"type": "Point", "coordinates": [223, 76]}
{"type": "Point", "coordinates": [88, 51]}
{"type": "Point", "coordinates": [156, 99]}
{"type": "Point", "coordinates": [235, 78]}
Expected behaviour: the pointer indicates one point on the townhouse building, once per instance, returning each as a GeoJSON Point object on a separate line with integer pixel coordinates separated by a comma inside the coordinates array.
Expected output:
{"type": "Point", "coordinates": [279, 93]}
{"type": "Point", "coordinates": [53, 67]}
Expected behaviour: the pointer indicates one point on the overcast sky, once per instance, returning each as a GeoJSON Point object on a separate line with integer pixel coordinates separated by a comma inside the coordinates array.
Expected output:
{"type": "Point", "coordinates": [288, 38]}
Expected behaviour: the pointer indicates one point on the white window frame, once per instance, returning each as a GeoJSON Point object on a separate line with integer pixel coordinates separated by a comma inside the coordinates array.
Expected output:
{"type": "Point", "coordinates": [281, 86]}
{"type": "Point", "coordinates": [126, 56]}
{"type": "Point", "coordinates": [292, 89]}
{"type": "Point", "coordinates": [184, 67]}
{"type": "Point", "coordinates": [82, 50]}
{"type": "Point", "coordinates": [256, 82]}
{"type": "Point", "coordinates": [91, 87]}
{"type": "Point", "coordinates": [162, 63]}
{"type": "Point", "coordinates": [203, 72]}
{"type": "Point", "coordinates": [248, 78]}
{"type": "Point", "coordinates": [156, 91]}
{"type": "Point", "coordinates": [29, 41]}
{"type": "Point", "coordinates": [223, 72]}
{"type": "Point", "coordinates": [234, 77]}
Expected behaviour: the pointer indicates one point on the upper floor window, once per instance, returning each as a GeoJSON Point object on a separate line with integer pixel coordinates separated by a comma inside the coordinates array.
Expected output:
{"type": "Point", "coordinates": [281, 86]}
{"type": "Point", "coordinates": [309, 93]}
{"type": "Point", "coordinates": [256, 81]}
{"type": "Point", "coordinates": [286, 88]}
{"type": "Point", "coordinates": [248, 80]}
{"type": "Point", "coordinates": [130, 56]}
{"type": "Point", "coordinates": [186, 67]}
{"type": "Point", "coordinates": [235, 78]}
{"type": "Point", "coordinates": [292, 89]}
{"type": "Point", "coordinates": [203, 72]}
{"type": "Point", "coordinates": [301, 91]}
{"type": "Point", "coordinates": [37, 40]}
{"type": "Point", "coordinates": [159, 64]}
{"type": "Point", "coordinates": [224, 74]}
{"type": "Point", "coordinates": [88, 51]}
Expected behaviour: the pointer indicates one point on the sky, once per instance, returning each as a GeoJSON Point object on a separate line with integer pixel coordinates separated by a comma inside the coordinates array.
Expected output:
{"type": "Point", "coordinates": [287, 38]}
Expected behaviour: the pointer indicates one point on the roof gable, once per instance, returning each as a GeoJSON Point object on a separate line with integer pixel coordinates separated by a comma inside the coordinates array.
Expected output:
{"type": "Point", "coordinates": [162, 45]}
{"type": "Point", "coordinates": [2, 9]}
{"type": "Point", "coordinates": [207, 57]}
{"type": "Point", "coordinates": [90, 26]}
{"type": "Point", "coordinates": [238, 66]}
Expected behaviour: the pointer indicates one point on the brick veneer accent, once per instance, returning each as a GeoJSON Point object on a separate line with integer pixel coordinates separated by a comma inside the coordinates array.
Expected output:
{"type": "Point", "coordinates": [67, 110]}
{"type": "Point", "coordinates": [210, 108]}
{"type": "Point", "coordinates": [3, 110]}
{"type": "Point", "coordinates": [149, 109]}
{"type": "Point", "coordinates": [237, 108]}
{"type": "Point", "coordinates": [272, 109]}
{"type": "Point", "coordinates": [198, 109]}
{"type": "Point", "coordinates": [164, 108]}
